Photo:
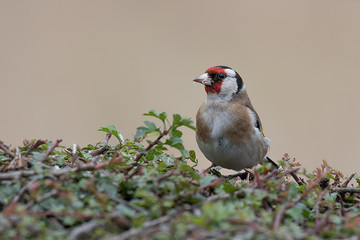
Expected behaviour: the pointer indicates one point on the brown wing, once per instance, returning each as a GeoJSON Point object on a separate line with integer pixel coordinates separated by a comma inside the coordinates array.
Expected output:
{"type": "Point", "coordinates": [243, 96]}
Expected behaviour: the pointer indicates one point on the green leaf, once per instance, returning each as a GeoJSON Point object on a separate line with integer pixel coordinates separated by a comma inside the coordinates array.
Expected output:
{"type": "Point", "coordinates": [141, 132]}
{"type": "Point", "coordinates": [229, 188]}
{"type": "Point", "coordinates": [176, 119]}
{"type": "Point", "coordinates": [151, 126]}
{"type": "Point", "coordinates": [176, 133]}
{"type": "Point", "coordinates": [163, 116]}
{"type": "Point", "coordinates": [207, 179]}
{"type": "Point", "coordinates": [296, 212]}
{"type": "Point", "coordinates": [113, 131]}
{"type": "Point", "coordinates": [152, 113]}
{"type": "Point", "coordinates": [192, 155]}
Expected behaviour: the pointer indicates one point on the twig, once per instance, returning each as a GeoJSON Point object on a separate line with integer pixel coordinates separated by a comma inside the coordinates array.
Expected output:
{"type": "Point", "coordinates": [168, 174]}
{"type": "Point", "coordinates": [133, 232]}
{"type": "Point", "coordinates": [139, 155]}
{"type": "Point", "coordinates": [22, 191]}
{"type": "Point", "coordinates": [297, 179]}
{"type": "Point", "coordinates": [258, 180]}
{"type": "Point", "coordinates": [136, 171]}
{"type": "Point", "coordinates": [55, 172]}
{"type": "Point", "coordinates": [218, 197]}
{"type": "Point", "coordinates": [99, 151]}
{"type": "Point", "coordinates": [126, 203]}
{"type": "Point", "coordinates": [321, 223]}
{"type": "Point", "coordinates": [72, 155]}
{"type": "Point", "coordinates": [16, 174]}
{"type": "Point", "coordinates": [107, 138]}
{"type": "Point", "coordinates": [352, 207]}
{"type": "Point", "coordinates": [48, 195]}
{"type": "Point", "coordinates": [347, 181]}
{"type": "Point", "coordinates": [84, 231]}
{"type": "Point", "coordinates": [341, 201]}
{"type": "Point", "coordinates": [18, 162]}
{"type": "Point", "coordinates": [345, 190]}
{"type": "Point", "coordinates": [66, 214]}
{"type": "Point", "coordinates": [151, 145]}
{"type": "Point", "coordinates": [280, 213]}
{"type": "Point", "coordinates": [56, 144]}
{"type": "Point", "coordinates": [317, 204]}
{"type": "Point", "coordinates": [33, 146]}
{"type": "Point", "coordinates": [7, 150]}
{"type": "Point", "coordinates": [212, 184]}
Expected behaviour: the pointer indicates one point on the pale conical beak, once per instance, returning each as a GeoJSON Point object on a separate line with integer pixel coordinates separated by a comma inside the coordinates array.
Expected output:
{"type": "Point", "coordinates": [204, 79]}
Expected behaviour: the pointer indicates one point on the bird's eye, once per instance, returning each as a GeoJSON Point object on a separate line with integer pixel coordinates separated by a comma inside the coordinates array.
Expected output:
{"type": "Point", "coordinates": [221, 75]}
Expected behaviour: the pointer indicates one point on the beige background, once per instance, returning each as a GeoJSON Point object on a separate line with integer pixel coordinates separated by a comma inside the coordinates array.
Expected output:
{"type": "Point", "coordinates": [70, 67]}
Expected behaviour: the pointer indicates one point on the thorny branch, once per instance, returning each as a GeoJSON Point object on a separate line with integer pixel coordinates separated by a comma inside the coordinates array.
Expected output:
{"type": "Point", "coordinates": [7, 150]}
{"type": "Point", "coordinates": [347, 181]}
{"type": "Point", "coordinates": [55, 172]}
{"type": "Point", "coordinates": [34, 145]}
{"type": "Point", "coordinates": [22, 190]}
{"type": "Point", "coordinates": [48, 195]}
{"type": "Point", "coordinates": [56, 144]}
{"type": "Point", "coordinates": [133, 232]}
{"type": "Point", "coordinates": [345, 190]}
{"type": "Point", "coordinates": [66, 214]}
{"type": "Point", "coordinates": [151, 145]}
{"type": "Point", "coordinates": [140, 155]}
{"type": "Point", "coordinates": [280, 213]}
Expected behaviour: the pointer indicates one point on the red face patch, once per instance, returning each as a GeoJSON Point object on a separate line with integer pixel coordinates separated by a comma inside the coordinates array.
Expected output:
{"type": "Point", "coordinates": [215, 88]}
{"type": "Point", "coordinates": [215, 70]}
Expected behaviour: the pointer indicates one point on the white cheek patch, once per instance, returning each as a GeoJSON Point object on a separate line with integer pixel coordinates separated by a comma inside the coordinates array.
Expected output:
{"type": "Point", "coordinates": [228, 88]}
{"type": "Point", "coordinates": [230, 73]}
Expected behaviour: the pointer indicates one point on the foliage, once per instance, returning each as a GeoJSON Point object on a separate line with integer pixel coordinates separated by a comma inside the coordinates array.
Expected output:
{"type": "Point", "coordinates": [138, 190]}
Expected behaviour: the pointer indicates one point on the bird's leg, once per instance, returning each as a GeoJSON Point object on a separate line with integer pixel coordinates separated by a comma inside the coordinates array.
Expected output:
{"type": "Point", "coordinates": [250, 174]}
{"type": "Point", "coordinates": [207, 169]}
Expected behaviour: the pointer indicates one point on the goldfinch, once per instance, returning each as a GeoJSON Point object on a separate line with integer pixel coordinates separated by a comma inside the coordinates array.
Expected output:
{"type": "Point", "coordinates": [228, 129]}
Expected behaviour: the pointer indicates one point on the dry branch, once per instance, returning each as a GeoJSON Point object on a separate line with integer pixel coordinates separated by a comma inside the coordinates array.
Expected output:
{"type": "Point", "coordinates": [345, 190]}
{"type": "Point", "coordinates": [347, 181]}
{"type": "Point", "coordinates": [7, 150]}
{"type": "Point", "coordinates": [133, 232]}
{"type": "Point", "coordinates": [55, 172]}
{"type": "Point", "coordinates": [56, 144]}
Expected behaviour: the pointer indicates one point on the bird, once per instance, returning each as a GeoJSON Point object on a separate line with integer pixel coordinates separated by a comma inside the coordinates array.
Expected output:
{"type": "Point", "coordinates": [228, 129]}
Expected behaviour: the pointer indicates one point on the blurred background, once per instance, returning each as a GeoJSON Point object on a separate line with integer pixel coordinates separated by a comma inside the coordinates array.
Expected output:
{"type": "Point", "coordinates": [70, 67]}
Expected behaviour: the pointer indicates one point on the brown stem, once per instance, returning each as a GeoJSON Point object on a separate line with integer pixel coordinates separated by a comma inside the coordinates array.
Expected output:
{"type": "Point", "coordinates": [347, 181]}
{"type": "Point", "coordinates": [345, 190]}
{"type": "Point", "coordinates": [55, 172]}
{"type": "Point", "coordinates": [35, 145]}
{"type": "Point", "coordinates": [66, 214]}
{"type": "Point", "coordinates": [151, 145]}
{"type": "Point", "coordinates": [135, 233]}
{"type": "Point", "coordinates": [56, 144]}
{"type": "Point", "coordinates": [99, 151]}
{"type": "Point", "coordinates": [297, 179]}
{"type": "Point", "coordinates": [168, 174]}
{"type": "Point", "coordinates": [280, 213]}
{"type": "Point", "coordinates": [212, 184]}
{"type": "Point", "coordinates": [72, 155]}
{"type": "Point", "coordinates": [7, 150]}
{"type": "Point", "coordinates": [22, 190]}
{"type": "Point", "coordinates": [48, 195]}
{"type": "Point", "coordinates": [317, 204]}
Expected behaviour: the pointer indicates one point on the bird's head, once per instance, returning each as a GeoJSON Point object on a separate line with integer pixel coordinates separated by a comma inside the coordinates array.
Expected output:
{"type": "Point", "coordinates": [221, 80]}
